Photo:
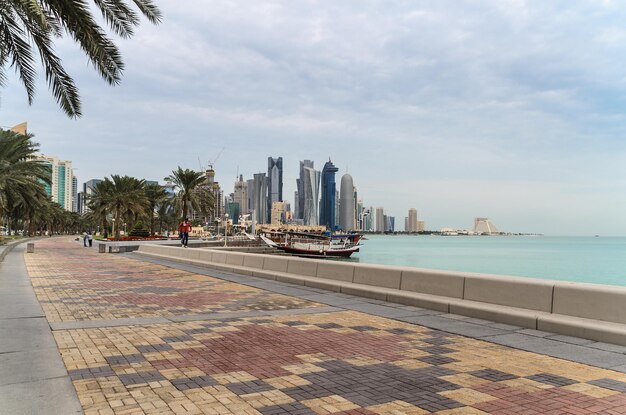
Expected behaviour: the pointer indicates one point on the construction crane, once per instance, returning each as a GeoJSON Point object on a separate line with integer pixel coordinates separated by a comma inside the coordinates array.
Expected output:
{"type": "Point", "coordinates": [216, 157]}
{"type": "Point", "coordinates": [211, 162]}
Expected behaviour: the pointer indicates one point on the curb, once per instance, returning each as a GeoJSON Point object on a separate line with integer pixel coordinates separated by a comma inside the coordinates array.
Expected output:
{"type": "Point", "coordinates": [9, 247]}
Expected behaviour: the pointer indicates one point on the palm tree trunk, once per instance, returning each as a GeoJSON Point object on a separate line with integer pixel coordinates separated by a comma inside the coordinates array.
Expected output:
{"type": "Point", "coordinates": [117, 221]}
{"type": "Point", "coordinates": [184, 208]}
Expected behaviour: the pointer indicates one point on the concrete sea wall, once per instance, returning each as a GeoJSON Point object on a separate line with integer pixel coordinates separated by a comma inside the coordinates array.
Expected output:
{"type": "Point", "coordinates": [590, 311]}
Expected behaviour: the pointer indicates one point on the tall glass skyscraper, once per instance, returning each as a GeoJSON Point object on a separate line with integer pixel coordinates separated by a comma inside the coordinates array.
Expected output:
{"type": "Point", "coordinates": [260, 197]}
{"type": "Point", "coordinates": [274, 183]}
{"type": "Point", "coordinates": [311, 186]}
{"type": "Point", "coordinates": [329, 192]}
{"type": "Point", "coordinates": [300, 188]}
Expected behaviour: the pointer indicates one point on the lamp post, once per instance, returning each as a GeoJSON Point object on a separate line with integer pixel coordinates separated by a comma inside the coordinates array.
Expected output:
{"type": "Point", "coordinates": [225, 228]}
{"type": "Point", "coordinates": [113, 228]}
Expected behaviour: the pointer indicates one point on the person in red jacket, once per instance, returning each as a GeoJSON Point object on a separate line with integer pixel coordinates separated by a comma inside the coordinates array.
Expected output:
{"type": "Point", "coordinates": [183, 229]}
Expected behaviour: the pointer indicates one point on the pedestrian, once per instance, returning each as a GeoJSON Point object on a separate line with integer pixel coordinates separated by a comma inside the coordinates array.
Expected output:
{"type": "Point", "coordinates": [183, 229]}
{"type": "Point", "coordinates": [90, 239]}
{"type": "Point", "coordinates": [85, 237]}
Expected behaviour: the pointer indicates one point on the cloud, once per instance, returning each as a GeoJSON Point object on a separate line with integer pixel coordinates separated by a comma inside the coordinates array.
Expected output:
{"type": "Point", "coordinates": [520, 101]}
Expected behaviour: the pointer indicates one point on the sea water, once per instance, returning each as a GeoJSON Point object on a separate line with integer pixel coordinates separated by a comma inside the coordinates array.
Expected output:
{"type": "Point", "coordinates": [598, 260]}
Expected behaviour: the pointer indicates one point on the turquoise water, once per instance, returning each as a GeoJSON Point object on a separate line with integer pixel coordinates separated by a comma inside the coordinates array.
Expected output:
{"type": "Point", "coordinates": [600, 260]}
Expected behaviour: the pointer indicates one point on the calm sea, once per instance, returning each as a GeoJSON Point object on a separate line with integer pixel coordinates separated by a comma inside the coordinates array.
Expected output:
{"type": "Point", "coordinates": [599, 260]}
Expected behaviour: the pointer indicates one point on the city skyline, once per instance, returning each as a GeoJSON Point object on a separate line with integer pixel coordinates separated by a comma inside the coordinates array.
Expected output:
{"type": "Point", "coordinates": [507, 110]}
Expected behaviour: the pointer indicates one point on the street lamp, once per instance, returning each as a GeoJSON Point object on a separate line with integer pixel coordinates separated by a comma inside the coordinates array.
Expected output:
{"type": "Point", "coordinates": [225, 228]}
{"type": "Point", "coordinates": [113, 228]}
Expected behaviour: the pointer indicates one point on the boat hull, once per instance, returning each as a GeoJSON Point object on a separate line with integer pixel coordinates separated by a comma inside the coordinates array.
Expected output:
{"type": "Point", "coordinates": [341, 253]}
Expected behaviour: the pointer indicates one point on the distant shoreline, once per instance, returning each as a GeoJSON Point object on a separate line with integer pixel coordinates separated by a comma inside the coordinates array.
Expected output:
{"type": "Point", "coordinates": [457, 233]}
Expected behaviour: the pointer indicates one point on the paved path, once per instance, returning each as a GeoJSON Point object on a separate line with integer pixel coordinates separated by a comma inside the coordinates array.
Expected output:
{"type": "Point", "coordinates": [139, 337]}
{"type": "Point", "coordinates": [33, 378]}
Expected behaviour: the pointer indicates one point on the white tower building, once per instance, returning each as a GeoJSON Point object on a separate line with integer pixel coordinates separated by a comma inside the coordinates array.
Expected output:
{"type": "Point", "coordinates": [346, 203]}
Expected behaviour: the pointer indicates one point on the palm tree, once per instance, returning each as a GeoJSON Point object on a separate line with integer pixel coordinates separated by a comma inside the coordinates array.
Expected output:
{"type": "Point", "coordinates": [21, 176]}
{"type": "Point", "coordinates": [156, 194]}
{"type": "Point", "coordinates": [191, 193]}
{"type": "Point", "coordinates": [167, 215]}
{"type": "Point", "coordinates": [98, 204]}
{"type": "Point", "coordinates": [126, 197]}
{"type": "Point", "coordinates": [28, 23]}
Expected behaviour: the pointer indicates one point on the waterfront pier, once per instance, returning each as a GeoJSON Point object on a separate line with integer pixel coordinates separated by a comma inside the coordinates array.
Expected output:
{"type": "Point", "coordinates": [133, 334]}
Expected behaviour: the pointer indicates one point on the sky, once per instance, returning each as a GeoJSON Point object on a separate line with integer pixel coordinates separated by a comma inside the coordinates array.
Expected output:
{"type": "Point", "coordinates": [506, 109]}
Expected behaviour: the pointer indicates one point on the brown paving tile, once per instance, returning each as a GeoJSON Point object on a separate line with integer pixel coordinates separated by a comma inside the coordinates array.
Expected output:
{"type": "Point", "coordinates": [281, 368]}
{"type": "Point", "coordinates": [346, 363]}
{"type": "Point", "coordinates": [79, 284]}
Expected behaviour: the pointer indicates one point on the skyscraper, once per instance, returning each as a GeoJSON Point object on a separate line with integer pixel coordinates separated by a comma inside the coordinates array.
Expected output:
{"type": "Point", "coordinates": [380, 220]}
{"type": "Point", "coordinates": [311, 188]}
{"type": "Point", "coordinates": [346, 203]}
{"type": "Point", "coordinates": [241, 195]}
{"type": "Point", "coordinates": [61, 175]}
{"type": "Point", "coordinates": [250, 183]}
{"type": "Point", "coordinates": [207, 213]}
{"type": "Point", "coordinates": [74, 194]}
{"type": "Point", "coordinates": [329, 190]}
{"type": "Point", "coordinates": [300, 188]}
{"type": "Point", "coordinates": [412, 220]}
{"type": "Point", "coordinates": [274, 183]}
{"type": "Point", "coordinates": [260, 197]}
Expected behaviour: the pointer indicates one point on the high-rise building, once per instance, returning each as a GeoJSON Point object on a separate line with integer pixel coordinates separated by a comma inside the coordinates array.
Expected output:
{"type": "Point", "coordinates": [216, 211]}
{"type": "Point", "coordinates": [20, 128]}
{"type": "Point", "coordinates": [346, 203]}
{"type": "Point", "coordinates": [355, 213]}
{"type": "Point", "coordinates": [311, 188]}
{"type": "Point", "coordinates": [241, 195]}
{"type": "Point", "coordinates": [232, 208]}
{"type": "Point", "coordinates": [421, 227]}
{"type": "Point", "coordinates": [484, 226]}
{"type": "Point", "coordinates": [359, 215]}
{"type": "Point", "coordinates": [274, 182]}
{"type": "Point", "coordinates": [380, 220]}
{"type": "Point", "coordinates": [300, 189]}
{"type": "Point", "coordinates": [61, 175]}
{"type": "Point", "coordinates": [89, 188]}
{"type": "Point", "coordinates": [296, 203]}
{"type": "Point", "coordinates": [329, 191]}
{"type": "Point", "coordinates": [370, 219]}
{"type": "Point", "coordinates": [260, 198]}
{"type": "Point", "coordinates": [278, 216]}
{"type": "Point", "coordinates": [412, 220]}
{"type": "Point", "coordinates": [74, 194]}
{"type": "Point", "coordinates": [250, 183]}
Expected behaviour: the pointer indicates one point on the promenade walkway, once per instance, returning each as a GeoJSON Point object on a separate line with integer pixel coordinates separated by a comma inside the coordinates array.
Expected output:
{"type": "Point", "coordinates": [139, 337]}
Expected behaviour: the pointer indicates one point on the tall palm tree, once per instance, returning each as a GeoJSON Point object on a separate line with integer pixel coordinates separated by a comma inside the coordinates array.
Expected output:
{"type": "Point", "coordinates": [191, 193]}
{"type": "Point", "coordinates": [156, 194]}
{"type": "Point", "coordinates": [127, 196]}
{"type": "Point", "coordinates": [35, 24]}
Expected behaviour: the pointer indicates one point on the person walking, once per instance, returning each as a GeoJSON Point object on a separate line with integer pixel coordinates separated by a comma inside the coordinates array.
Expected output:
{"type": "Point", "coordinates": [183, 229]}
{"type": "Point", "coordinates": [90, 239]}
{"type": "Point", "coordinates": [85, 237]}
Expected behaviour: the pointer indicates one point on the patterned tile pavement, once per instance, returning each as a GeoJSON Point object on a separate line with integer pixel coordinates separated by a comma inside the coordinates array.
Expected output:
{"type": "Point", "coordinates": [79, 284]}
{"type": "Point", "coordinates": [335, 363]}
